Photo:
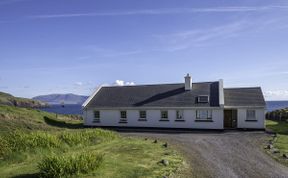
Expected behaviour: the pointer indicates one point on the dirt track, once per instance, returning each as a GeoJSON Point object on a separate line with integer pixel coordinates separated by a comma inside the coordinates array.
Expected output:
{"type": "Point", "coordinates": [228, 154]}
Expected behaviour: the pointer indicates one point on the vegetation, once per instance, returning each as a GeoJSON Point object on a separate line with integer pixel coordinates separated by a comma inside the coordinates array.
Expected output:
{"type": "Point", "coordinates": [26, 119]}
{"type": "Point", "coordinates": [7, 99]}
{"type": "Point", "coordinates": [39, 144]}
{"type": "Point", "coordinates": [64, 166]}
{"type": "Point", "coordinates": [280, 140]}
{"type": "Point", "coordinates": [280, 114]}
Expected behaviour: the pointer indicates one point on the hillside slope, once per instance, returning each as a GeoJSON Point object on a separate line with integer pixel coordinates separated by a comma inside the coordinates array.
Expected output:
{"type": "Point", "coordinates": [25, 119]}
{"type": "Point", "coordinates": [34, 143]}
{"type": "Point", "coordinates": [10, 100]}
{"type": "Point", "coordinates": [61, 98]}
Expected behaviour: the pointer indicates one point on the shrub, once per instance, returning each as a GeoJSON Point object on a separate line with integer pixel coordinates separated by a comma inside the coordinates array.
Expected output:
{"type": "Point", "coordinates": [64, 166]}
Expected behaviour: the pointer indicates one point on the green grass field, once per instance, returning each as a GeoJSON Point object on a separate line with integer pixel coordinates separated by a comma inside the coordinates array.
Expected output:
{"type": "Point", "coordinates": [281, 141]}
{"type": "Point", "coordinates": [30, 138]}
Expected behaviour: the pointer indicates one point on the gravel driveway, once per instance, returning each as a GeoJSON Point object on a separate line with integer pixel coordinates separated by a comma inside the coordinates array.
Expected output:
{"type": "Point", "coordinates": [225, 154]}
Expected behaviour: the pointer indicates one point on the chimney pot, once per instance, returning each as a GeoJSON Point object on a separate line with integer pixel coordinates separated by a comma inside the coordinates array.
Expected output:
{"type": "Point", "coordinates": [188, 82]}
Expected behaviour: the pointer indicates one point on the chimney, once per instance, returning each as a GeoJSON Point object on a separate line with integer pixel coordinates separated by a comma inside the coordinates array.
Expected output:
{"type": "Point", "coordinates": [188, 82]}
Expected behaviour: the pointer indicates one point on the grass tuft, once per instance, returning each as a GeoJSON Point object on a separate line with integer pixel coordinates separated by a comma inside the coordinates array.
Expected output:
{"type": "Point", "coordinates": [64, 166]}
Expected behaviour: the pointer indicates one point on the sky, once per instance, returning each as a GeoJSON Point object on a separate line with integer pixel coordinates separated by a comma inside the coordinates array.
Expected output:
{"type": "Point", "coordinates": [74, 46]}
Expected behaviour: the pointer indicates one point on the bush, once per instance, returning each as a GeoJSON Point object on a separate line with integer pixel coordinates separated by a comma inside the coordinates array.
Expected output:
{"type": "Point", "coordinates": [281, 114]}
{"type": "Point", "coordinates": [64, 166]}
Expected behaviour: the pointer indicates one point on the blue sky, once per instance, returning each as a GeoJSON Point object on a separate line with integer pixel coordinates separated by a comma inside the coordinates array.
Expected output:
{"type": "Point", "coordinates": [73, 46]}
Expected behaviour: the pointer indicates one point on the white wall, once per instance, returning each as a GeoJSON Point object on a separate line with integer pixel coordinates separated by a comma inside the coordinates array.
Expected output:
{"type": "Point", "coordinates": [112, 117]}
{"type": "Point", "coordinates": [260, 117]}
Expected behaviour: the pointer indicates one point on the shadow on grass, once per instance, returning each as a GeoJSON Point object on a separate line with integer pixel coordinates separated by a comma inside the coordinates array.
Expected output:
{"type": "Point", "coordinates": [62, 124]}
{"type": "Point", "coordinates": [281, 127]}
{"type": "Point", "coordinates": [35, 175]}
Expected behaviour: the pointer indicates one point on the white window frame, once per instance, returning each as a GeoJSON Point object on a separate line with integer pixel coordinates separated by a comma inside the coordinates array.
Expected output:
{"type": "Point", "coordinates": [250, 116]}
{"type": "Point", "coordinates": [98, 115]}
{"type": "Point", "coordinates": [161, 115]}
{"type": "Point", "coordinates": [123, 118]}
{"type": "Point", "coordinates": [199, 101]}
{"type": "Point", "coordinates": [204, 114]}
{"type": "Point", "coordinates": [179, 115]}
{"type": "Point", "coordinates": [141, 114]}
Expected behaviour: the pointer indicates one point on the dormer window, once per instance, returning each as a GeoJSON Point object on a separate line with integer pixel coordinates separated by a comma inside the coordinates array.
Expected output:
{"type": "Point", "coordinates": [203, 99]}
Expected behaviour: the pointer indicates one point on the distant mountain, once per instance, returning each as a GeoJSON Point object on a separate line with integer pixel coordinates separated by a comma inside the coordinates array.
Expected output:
{"type": "Point", "coordinates": [62, 98]}
{"type": "Point", "coordinates": [10, 100]}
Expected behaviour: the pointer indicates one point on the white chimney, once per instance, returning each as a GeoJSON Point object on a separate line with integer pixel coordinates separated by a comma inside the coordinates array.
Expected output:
{"type": "Point", "coordinates": [188, 82]}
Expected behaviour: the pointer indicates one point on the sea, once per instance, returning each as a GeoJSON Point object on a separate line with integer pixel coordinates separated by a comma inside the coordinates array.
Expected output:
{"type": "Point", "coordinates": [77, 109]}
{"type": "Point", "coordinates": [64, 109]}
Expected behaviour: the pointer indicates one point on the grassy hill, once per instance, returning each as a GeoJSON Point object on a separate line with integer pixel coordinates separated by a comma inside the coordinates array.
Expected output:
{"type": "Point", "coordinates": [10, 100]}
{"type": "Point", "coordinates": [27, 119]}
{"type": "Point", "coordinates": [38, 144]}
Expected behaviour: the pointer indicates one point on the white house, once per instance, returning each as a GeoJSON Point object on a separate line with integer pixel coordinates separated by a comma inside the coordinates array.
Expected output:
{"type": "Point", "coordinates": [205, 105]}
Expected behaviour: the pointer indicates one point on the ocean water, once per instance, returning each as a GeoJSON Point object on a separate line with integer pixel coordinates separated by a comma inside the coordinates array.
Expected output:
{"type": "Point", "coordinates": [67, 109]}
{"type": "Point", "coordinates": [77, 109]}
{"type": "Point", "coordinates": [274, 105]}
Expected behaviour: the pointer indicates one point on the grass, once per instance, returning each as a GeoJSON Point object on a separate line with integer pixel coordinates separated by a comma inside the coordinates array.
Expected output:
{"type": "Point", "coordinates": [281, 141]}
{"type": "Point", "coordinates": [25, 119]}
{"type": "Point", "coordinates": [32, 142]}
{"type": "Point", "coordinates": [68, 165]}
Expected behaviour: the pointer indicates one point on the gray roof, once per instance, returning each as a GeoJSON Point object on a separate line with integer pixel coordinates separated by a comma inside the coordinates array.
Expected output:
{"type": "Point", "coordinates": [244, 97]}
{"type": "Point", "coordinates": [161, 95]}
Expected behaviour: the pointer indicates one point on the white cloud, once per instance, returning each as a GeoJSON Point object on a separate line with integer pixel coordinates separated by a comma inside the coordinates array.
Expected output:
{"type": "Point", "coordinates": [129, 83]}
{"type": "Point", "coordinates": [276, 95]}
{"type": "Point", "coordinates": [119, 82]}
{"type": "Point", "coordinates": [122, 83]}
{"type": "Point", "coordinates": [78, 83]}
{"type": "Point", "coordinates": [165, 11]}
{"type": "Point", "coordinates": [199, 37]}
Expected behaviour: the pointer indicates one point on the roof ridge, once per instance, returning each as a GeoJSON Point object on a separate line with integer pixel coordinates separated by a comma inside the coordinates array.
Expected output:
{"type": "Point", "coordinates": [141, 85]}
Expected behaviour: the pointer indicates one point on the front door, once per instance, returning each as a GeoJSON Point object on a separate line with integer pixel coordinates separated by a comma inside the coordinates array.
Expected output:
{"type": "Point", "coordinates": [230, 118]}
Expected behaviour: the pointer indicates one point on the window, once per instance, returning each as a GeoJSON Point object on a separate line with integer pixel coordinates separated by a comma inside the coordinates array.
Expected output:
{"type": "Point", "coordinates": [179, 115]}
{"type": "Point", "coordinates": [251, 114]}
{"type": "Point", "coordinates": [203, 99]}
{"type": "Point", "coordinates": [164, 114]}
{"type": "Point", "coordinates": [203, 114]}
{"type": "Point", "coordinates": [142, 114]}
{"type": "Point", "coordinates": [96, 117]}
{"type": "Point", "coordinates": [97, 114]}
{"type": "Point", "coordinates": [123, 114]}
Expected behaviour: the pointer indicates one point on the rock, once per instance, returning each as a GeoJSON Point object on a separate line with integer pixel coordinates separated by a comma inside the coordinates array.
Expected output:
{"type": "Point", "coordinates": [165, 145]}
{"type": "Point", "coordinates": [155, 141]}
{"type": "Point", "coordinates": [270, 146]}
{"type": "Point", "coordinates": [275, 150]}
{"type": "Point", "coordinates": [165, 162]}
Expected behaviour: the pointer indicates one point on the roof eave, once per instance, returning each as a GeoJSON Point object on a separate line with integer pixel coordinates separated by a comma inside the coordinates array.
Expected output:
{"type": "Point", "coordinates": [84, 105]}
